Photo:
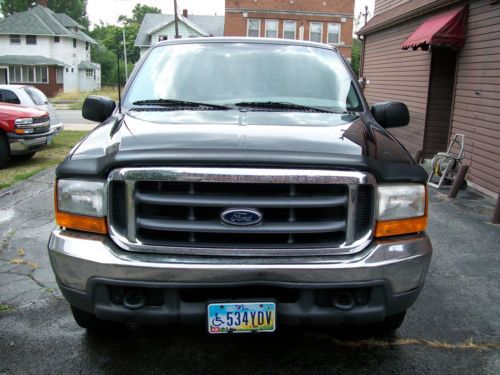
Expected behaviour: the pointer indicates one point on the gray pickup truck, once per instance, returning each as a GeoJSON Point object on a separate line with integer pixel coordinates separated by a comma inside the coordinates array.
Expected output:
{"type": "Point", "coordinates": [241, 184]}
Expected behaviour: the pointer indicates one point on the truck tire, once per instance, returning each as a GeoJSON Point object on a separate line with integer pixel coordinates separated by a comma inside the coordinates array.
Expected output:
{"type": "Point", "coordinates": [22, 157]}
{"type": "Point", "coordinates": [389, 324]}
{"type": "Point", "coordinates": [4, 152]}
{"type": "Point", "coordinates": [92, 323]}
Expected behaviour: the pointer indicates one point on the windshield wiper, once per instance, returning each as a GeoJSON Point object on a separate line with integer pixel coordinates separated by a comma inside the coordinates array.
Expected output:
{"type": "Point", "coordinates": [282, 105]}
{"type": "Point", "coordinates": [178, 103]}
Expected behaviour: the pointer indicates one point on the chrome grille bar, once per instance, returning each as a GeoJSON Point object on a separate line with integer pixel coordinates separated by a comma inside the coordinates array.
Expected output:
{"type": "Point", "coordinates": [160, 220]}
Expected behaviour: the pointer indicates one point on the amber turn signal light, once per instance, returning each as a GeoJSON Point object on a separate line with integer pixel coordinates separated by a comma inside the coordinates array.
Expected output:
{"type": "Point", "coordinates": [402, 226]}
{"type": "Point", "coordinates": [80, 222]}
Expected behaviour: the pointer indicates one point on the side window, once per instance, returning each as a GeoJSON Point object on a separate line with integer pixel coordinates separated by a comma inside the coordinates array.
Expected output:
{"type": "Point", "coordinates": [8, 96]}
{"type": "Point", "coordinates": [31, 39]}
{"type": "Point", "coordinates": [271, 28]}
{"type": "Point", "coordinates": [15, 39]}
{"type": "Point", "coordinates": [253, 27]}
{"type": "Point", "coordinates": [316, 32]}
{"type": "Point", "coordinates": [74, 43]}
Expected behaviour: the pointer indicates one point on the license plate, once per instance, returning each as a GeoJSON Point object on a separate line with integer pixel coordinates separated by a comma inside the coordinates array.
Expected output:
{"type": "Point", "coordinates": [241, 317]}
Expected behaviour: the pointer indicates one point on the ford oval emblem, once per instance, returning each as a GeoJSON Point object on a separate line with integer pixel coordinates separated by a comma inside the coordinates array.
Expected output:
{"type": "Point", "coordinates": [241, 216]}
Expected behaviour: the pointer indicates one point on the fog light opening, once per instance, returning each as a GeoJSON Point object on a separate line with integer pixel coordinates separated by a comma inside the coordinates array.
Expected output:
{"type": "Point", "coordinates": [134, 300]}
{"type": "Point", "coordinates": [343, 300]}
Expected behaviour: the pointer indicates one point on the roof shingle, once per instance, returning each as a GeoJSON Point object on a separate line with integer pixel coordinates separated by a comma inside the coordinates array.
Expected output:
{"type": "Point", "coordinates": [39, 20]}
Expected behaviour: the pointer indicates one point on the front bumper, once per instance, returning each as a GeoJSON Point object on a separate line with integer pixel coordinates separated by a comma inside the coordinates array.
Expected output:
{"type": "Point", "coordinates": [25, 144]}
{"type": "Point", "coordinates": [57, 128]}
{"type": "Point", "coordinates": [91, 268]}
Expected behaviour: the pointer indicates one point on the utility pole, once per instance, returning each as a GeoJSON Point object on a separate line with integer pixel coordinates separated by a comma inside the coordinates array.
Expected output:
{"type": "Point", "coordinates": [125, 54]}
{"type": "Point", "coordinates": [177, 36]}
{"type": "Point", "coordinates": [366, 14]}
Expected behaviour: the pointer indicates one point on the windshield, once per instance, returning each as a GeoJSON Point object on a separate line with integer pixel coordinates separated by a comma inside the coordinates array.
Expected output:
{"type": "Point", "coordinates": [231, 73]}
{"type": "Point", "coordinates": [36, 95]}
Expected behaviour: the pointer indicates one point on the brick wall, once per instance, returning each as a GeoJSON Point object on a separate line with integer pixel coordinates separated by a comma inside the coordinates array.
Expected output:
{"type": "Point", "coordinates": [49, 89]}
{"type": "Point", "coordinates": [302, 11]}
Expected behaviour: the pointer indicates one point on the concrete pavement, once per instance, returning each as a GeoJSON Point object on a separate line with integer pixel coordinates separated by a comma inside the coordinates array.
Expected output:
{"type": "Point", "coordinates": [454, 328]}
{"type": "Point", "coordinates": [73, 120]}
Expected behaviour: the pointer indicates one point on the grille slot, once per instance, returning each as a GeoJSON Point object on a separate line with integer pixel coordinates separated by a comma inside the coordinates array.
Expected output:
{"type": "Point", "coordinates": [160, 213]}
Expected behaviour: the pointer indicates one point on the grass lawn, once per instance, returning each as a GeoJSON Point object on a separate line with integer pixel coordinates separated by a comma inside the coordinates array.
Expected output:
{"type": "Point", "coordinates": [51, 156]}
{"type": "Point", "coordinates": [77, 97]}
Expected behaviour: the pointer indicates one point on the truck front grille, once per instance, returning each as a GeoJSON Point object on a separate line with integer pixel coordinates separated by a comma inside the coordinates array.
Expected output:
{"type": "Point", "coordinates": [178, 210]}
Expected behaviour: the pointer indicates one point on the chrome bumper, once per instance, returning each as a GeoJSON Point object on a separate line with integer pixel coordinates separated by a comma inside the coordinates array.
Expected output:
{"type": "Point", "coordinates": [23, 144]}
{"type": "Point", "coordinates": [57, 128]}
{"type": "Point", "coordinates": [78, 257]}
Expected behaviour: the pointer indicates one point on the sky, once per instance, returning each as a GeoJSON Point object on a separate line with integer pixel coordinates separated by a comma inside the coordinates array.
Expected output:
{"type": "Point", "coordinates": [109, 10]}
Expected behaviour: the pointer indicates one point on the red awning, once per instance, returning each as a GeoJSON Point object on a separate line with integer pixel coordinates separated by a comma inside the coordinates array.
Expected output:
{"type": "Point", "coordinates": [446, 30]}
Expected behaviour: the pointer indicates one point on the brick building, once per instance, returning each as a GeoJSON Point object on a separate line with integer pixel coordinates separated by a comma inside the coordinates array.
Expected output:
{"type": "Point", "coordinates": [325, 21]}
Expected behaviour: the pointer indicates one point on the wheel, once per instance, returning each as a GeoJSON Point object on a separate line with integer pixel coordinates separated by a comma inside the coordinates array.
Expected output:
{"type": "Point", "coordinates": [23, 157]}
{"type": "Point", "coordinates": [92, 323]}
{"type": "Point", "coordinates": [4, 152]}
{"type": "Point", "coordinates": [390, 323]}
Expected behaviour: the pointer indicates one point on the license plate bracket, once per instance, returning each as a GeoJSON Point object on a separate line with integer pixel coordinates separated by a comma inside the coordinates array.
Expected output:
{"type": "Point", "coordinates": [241, 317]}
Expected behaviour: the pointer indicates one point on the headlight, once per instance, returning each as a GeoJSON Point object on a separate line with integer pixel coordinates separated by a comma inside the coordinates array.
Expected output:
{"type": "Point", "coordinates": [24, 121]}
{"type": "Point", "coordinates": [400, 201]}
{"type": "Point", "coordinates": [401, 209]}
{"type": "Point", "coordinates": [81, 205]}
{"type": "Point", "coordinates": [81, 197]}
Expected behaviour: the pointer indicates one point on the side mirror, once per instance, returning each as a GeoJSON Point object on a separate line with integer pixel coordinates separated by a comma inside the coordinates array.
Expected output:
{"type": "Point", "coordinates": [98, 108]}
{"type": "Point", "coordinates": [391, 114]}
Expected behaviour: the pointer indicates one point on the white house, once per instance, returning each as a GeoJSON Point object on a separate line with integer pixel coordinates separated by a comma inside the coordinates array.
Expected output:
{"type": "Point", "coordinates": [156, 28]}
{"type": "Point", "coordinates": [47, 50]}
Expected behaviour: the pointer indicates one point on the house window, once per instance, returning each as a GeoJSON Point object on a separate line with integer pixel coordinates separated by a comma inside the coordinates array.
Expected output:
{"type": "Point", "coordinates": [334, 33]}
{"type": "Point", "coordinates": [56, 39]}
{"type": "Point", "coordinates": [30, 39]}
{"type": "Point", "coordinates": [271, 28]}
{"type": "Point", "coordinates": [316, 32]}
{"type": "Point", "coordinates": [74, 43]}
{"type": "Point", "coordinates": [89, 73]}
{"type": "Point", "coordinates": [29, 74]}
{"type": "Point", "coordinates": [253, 27]}
{"type": "Point", "coordinates": [60, 75]}
{"type": "Point", "coordinates": [86, 46]}
{"type": "Point", "coordinates": [41, 74]}
{"type": "Point", "coordinates": [15, 39]}
{"type": "Point", "coordinates": [289, 29]}
{"type": "Point", "coordinates": [67, 70]}
{"type": "Point", "coordinates": [161, 38]}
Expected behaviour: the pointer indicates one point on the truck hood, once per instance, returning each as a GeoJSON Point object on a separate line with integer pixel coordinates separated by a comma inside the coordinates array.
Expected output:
{"type": "Point", "coordinates": [235, 130]}
{"type": "Point", "coordinates": [237, 137]}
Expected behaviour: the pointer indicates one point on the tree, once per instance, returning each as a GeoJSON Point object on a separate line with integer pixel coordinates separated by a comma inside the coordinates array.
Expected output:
{"type": "Point", "coordinates": [138, 14]}
{"type": "Point", "coordinates": [356, 55]}
{"type": "Point", "coordinates": [11, 6]}
{"type": "Point", "coordinates": [76, 9]}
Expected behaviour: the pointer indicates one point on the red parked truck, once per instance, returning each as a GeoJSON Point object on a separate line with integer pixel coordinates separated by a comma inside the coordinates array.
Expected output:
{"type": "Point", "coordinates": [23, 132]}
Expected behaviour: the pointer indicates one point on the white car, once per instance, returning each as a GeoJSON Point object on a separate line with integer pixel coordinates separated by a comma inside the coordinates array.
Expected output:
{"type": "Point", "coordinates": [30, 96]}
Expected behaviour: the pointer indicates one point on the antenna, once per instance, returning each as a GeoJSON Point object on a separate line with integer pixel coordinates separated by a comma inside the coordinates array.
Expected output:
{"type": "Point", "coordinates": [119, 84]}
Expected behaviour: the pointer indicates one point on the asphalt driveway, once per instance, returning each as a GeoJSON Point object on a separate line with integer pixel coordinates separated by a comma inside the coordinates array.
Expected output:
{"type": "Point", "coordinates": [453, 328]}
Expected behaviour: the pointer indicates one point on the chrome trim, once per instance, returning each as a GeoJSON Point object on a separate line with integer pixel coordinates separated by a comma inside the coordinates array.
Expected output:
{"type": "Point", "coordinates": [129, 241]}
{"type": "Point", "coordinates": [241, 175]}
{"type": "Point", "coordinates": [351, 213]}
{"type": "Point", "coordinates": [129, 193]}
{"type": "Point", "coordinates": [20, 145]}
{"type": "Point", "coordinates": [77, 257]}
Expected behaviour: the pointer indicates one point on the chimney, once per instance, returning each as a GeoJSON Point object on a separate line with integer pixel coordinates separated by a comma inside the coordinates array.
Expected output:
{"type": "Point", "coordinates": [44, 3]}
{"type": "Point", "coordinates": [185, 13]}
